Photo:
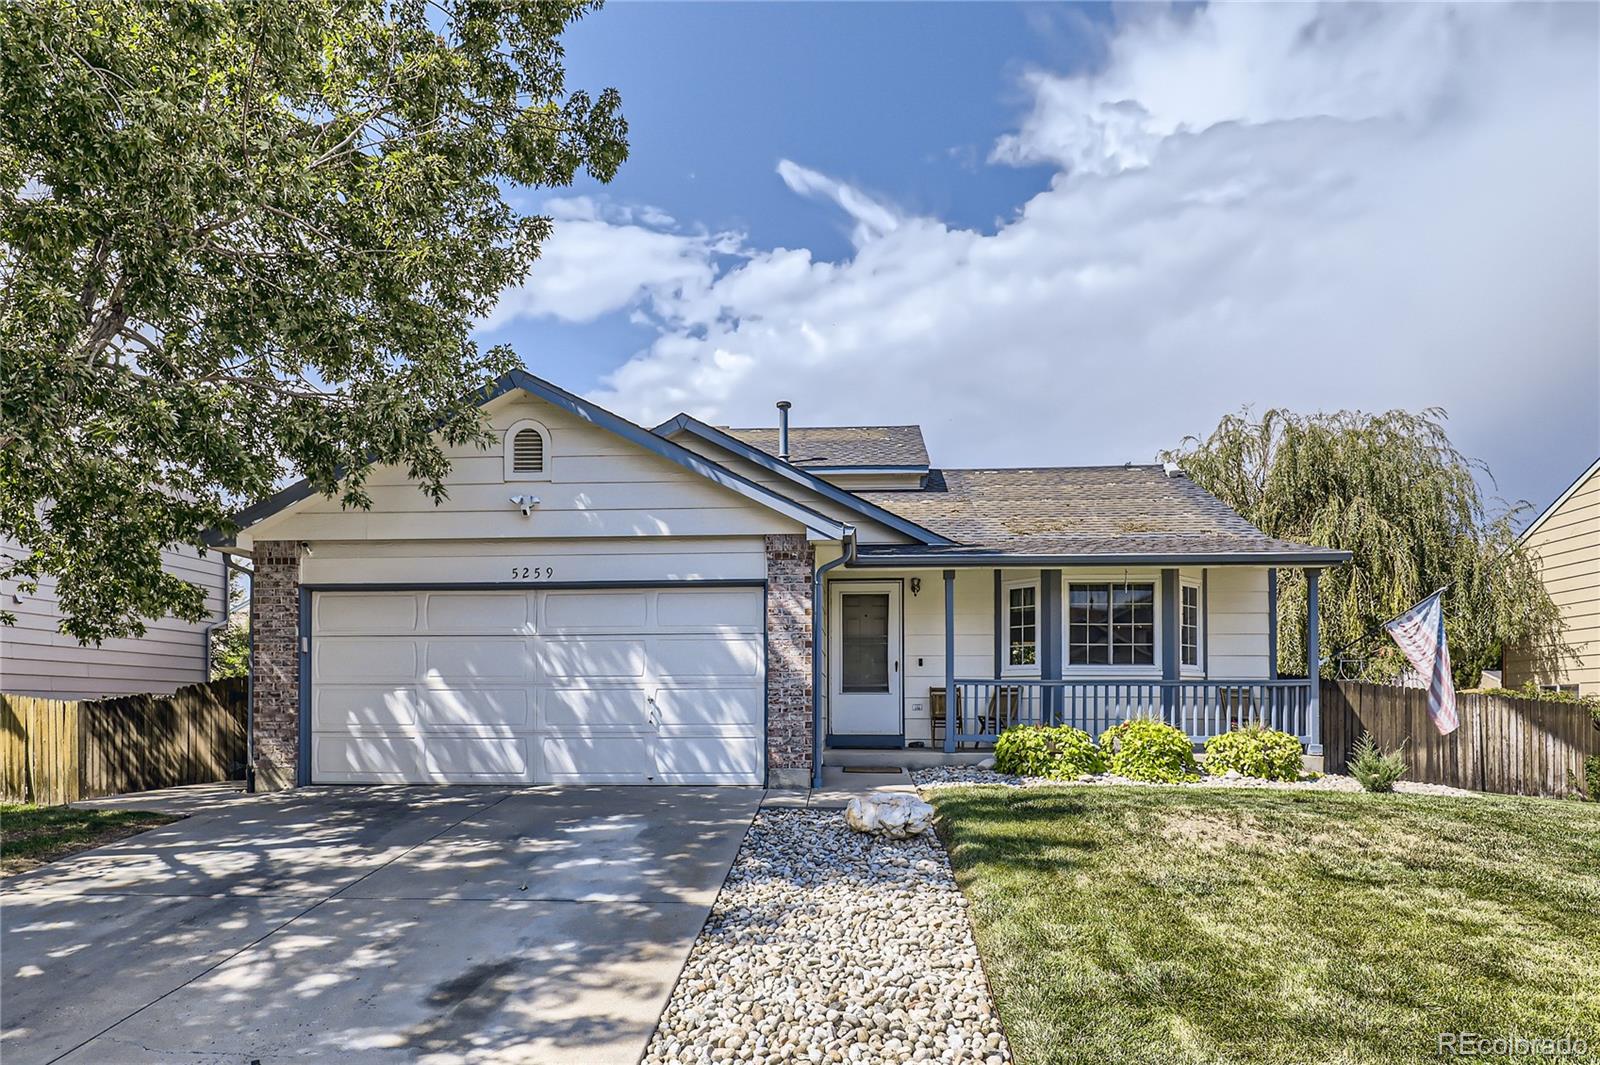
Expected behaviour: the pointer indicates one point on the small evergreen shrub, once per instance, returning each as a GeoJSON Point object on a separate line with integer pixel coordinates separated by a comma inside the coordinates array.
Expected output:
{"type": "Point", "coordinates": [1059, 752]}
{"type": "Point", "coordinates": [1375, 768]}
{"type": "Point", "coordinates": [1254, 751]}
{"type": "Point", "coordinates": [1150, 750]}
{"type": "Point", "coordinates": [1591, 777]}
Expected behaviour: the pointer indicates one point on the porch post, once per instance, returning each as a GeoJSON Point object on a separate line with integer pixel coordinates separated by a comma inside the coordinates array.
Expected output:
{"type": "Point", "coordinates": [999, 626]}
{"type": "Point", "coordinates": [1050, 640]}
{"type": "Point", "coordinates": [1170, 641]}
{"type": "Point", "coordinates": [950, 723]}
{"type": "Point", "coordinates": [1313, 665]}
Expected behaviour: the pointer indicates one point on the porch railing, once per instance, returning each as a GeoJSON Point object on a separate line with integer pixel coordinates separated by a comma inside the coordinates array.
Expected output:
{"type": "Point", "coordinates": [1201, 708]}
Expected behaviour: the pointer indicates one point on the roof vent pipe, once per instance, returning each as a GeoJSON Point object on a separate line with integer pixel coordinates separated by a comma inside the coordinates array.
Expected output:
{"type": "Point", "coordinates": [783, 429]}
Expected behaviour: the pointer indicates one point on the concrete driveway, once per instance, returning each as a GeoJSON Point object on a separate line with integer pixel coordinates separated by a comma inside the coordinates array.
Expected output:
{"type": "Point", "coordinates": [369, 925]}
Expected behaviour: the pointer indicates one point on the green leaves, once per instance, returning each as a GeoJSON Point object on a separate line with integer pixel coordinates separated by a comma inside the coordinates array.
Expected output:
{"type": "Point", "coordinates": [1393, 491]}
{"type": "Point", "coordinates": [241, 243]}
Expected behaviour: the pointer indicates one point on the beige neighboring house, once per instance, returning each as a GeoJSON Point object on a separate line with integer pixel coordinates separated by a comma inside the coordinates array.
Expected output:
{"type": "Point", "coordinates": [37, 659]}
{"type": "Point", "coordinates": [1566, 537]}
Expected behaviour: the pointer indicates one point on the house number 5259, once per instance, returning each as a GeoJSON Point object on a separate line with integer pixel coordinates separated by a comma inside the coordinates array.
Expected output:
{"type": "Point", "coordinates": [538, 573]}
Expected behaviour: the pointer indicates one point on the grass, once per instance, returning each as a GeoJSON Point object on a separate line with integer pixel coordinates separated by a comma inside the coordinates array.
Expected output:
{"type": "Point", "coordinates": [30, 836]}
{"type": "Point", "coordinates": [1169, 925]}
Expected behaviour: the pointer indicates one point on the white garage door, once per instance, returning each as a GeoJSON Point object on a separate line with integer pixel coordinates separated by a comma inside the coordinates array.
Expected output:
{"type": "Point", "coordinates": [632, 686]}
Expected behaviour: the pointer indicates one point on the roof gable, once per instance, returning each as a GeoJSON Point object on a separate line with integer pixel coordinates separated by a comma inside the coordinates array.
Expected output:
{"type": "Point", "coordinates": [685, 423]}
{"type": "Point", "coordinates": [1571, 490]}
{"type": "Point", "coordinates": [601, 418]}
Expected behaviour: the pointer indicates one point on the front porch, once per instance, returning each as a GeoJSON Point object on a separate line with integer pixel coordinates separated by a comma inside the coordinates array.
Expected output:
{"type": "Point", "coordinates": [1192, 645]}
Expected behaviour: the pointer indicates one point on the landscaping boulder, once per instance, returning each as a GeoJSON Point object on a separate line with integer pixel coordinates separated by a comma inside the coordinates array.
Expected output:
{"type": "Point", "coordinates": [893, 815]}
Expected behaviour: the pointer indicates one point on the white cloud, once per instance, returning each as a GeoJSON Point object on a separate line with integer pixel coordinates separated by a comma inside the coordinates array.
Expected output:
{"type": "Point", "coordinates": [1373, 206]}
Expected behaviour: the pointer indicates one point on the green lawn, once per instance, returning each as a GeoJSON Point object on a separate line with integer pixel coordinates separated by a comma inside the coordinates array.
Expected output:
{"type": "Point", "coordinates": [33, 835]}
{"type": "Point", "coordinates": [1167, 925]}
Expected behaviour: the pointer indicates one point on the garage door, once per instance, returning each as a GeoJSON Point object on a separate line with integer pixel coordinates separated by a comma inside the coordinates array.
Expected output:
{"type": "Point", "coordinates": [635, 686]}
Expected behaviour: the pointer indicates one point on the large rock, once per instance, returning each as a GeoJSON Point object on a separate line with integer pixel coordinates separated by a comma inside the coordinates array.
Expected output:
{"type": "Point", "coordinates": [893, 814]}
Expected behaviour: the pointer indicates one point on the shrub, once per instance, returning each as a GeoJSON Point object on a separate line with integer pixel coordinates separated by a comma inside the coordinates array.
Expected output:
{"type": "Point", "coordinates": [1375, 768]}
{"type": "Point", "coordinates": [1256, 752]}
{"type": "Point", "coordinates": [1150, 750]}
{"type": "Point", "coordinates": [1058, 752]}
{"type": "Point", "coordinates": [1591, 777]}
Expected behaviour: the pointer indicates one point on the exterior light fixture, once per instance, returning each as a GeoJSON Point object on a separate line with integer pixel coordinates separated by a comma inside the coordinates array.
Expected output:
{"type": "Point", "coordinates": [916, 586]}
{"type": "Point", "coordinates": [527, 503]}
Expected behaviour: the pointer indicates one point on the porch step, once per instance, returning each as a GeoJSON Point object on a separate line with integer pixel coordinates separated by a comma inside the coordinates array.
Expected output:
{"type": "Point", "coordinates": [909, 758]}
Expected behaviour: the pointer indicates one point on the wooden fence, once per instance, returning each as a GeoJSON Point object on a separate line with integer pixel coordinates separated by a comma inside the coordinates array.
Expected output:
{"type": "Point", "coordinates": [1507, 745]}
{"type": "Point", "coordinates": [54, 751]}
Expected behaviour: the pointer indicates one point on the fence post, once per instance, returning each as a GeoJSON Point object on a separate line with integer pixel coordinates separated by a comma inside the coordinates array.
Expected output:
{"type": "Point", "coordinates": [1313, 666]}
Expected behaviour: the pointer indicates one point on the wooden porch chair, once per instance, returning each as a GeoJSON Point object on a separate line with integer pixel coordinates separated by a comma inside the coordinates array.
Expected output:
{"type": "Point", "coordinates": [1001, 712]}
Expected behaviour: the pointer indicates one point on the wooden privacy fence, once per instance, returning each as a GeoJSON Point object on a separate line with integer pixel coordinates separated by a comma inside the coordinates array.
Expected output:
{"type": "Point", "coordinates": [54, 751]}
{"type": "Point", "coordinates": [1508, 745]}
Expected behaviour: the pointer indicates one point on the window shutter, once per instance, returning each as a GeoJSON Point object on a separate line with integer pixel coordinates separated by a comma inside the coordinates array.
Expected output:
{"type": "Point", "coordinates": [527, 452]}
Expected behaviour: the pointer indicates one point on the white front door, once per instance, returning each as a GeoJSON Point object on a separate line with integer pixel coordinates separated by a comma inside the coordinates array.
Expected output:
{"type": "Point", "coordinates": [864, 664]}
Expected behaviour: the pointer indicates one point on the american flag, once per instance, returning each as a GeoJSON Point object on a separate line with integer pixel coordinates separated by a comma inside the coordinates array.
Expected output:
{"type": "Point", "coordinates": [1420, 634]}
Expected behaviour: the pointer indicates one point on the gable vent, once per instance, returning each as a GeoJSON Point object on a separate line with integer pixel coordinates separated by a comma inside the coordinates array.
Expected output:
{"type": "Point", "coordinates": [527, 452]}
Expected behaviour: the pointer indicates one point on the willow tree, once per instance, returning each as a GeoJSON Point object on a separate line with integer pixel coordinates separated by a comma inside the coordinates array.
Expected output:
{"type": "Point", "coordinates": [247, 241]}
{"type": "Point", "coordinates": [1392, 490]}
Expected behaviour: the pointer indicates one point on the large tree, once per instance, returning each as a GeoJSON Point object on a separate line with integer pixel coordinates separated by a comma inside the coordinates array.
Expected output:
{"type": "Point", "coordinates": [1390, 489]}
{"type": "Point", "coordinates": [246, 241]}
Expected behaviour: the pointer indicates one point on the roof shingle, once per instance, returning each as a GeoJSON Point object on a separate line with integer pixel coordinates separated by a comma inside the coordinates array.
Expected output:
{"type": "Point", "coordinates": [844, 445]}
{"type": "Point", "coordinates": [1109, 510]}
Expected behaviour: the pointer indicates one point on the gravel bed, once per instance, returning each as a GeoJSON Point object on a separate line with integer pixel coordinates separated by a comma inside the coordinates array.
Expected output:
{"type": "Point", "coordinates": [829, 946]}
{"type": "Point", "coordinates": [947, 776]}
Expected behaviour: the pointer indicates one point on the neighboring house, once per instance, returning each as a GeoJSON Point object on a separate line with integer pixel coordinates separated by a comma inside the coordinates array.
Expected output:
{"type": "Point", "coordinates": [596, 602]}
{"type": "Point", "coordinates": [1566, 537]}
{"type": "Point", "coordinates": [37, 659]}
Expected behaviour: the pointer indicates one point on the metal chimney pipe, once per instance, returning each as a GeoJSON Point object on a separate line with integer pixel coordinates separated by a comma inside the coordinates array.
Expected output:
{"type": "Point", "coordinates": [783, 429]}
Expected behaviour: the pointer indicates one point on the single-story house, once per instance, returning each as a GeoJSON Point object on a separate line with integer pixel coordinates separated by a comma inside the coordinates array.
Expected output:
{"type": "Point", "coordinates": [1566, 539]}
{"type": "Point", "coordinates": [599, 602]}
{"type": "Point", "coordinates": [37, 659]}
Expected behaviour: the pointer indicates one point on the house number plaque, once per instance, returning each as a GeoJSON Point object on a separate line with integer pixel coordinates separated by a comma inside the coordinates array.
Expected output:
{"type": "Point", "coordinates": [536, 573]}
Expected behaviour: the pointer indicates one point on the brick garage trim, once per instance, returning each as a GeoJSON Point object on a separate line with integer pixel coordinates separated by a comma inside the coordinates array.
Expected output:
{"type": "Point", "coordinates": [790, 631]}
{"type": "Point", "coordinates": [275, 663]}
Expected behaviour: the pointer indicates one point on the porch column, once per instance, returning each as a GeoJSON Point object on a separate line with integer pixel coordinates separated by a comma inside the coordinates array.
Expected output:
{"type": "Point", "coordinates": [1313, 665]}
{"type": "Point", "coordinates": [1050, 627]}
{"type": "Point", "coordinates": [999, 626]}
{"type": "Point", "coordinates": [1170, 648]}
{"type": "Point", "coordinates": [950, 723]}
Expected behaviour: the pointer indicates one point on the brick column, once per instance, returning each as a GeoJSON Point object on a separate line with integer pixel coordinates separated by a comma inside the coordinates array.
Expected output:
{"type": "Point", "coordinates": [275, 659]}
{"type": "Point", "coordinates": [790, 563]}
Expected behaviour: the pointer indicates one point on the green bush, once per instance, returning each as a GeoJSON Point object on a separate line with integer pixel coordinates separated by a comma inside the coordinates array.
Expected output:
{"type": "Point", "coordinates": [1058, 752]}
{"type": "Point", "coordinates": [1255, 752]}
{"type": "Point", "coordinates": [1591, 777]}
{"type": "Point", "coordinates": [1375, 768]}
{"type": "Point", "coordinates": [1150, 750]}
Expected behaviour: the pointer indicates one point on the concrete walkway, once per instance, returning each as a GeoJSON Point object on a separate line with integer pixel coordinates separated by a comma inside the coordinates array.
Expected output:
{"type": "Point", "coordinates": [445, 925]}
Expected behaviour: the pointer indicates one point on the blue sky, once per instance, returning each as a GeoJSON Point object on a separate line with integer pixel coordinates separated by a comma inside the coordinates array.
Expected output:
{"type": "Point", "coordinates": [1060, 234]}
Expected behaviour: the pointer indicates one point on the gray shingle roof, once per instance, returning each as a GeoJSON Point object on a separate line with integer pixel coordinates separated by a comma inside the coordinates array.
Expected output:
{"type": "Point", "coordinates": [1098, 510]}
{"type": "Point", "coordinates": [844, 445]}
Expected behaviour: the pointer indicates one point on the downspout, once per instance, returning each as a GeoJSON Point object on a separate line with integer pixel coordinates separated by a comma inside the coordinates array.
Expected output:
{"type": "Point", "coordinates": [818, 644]}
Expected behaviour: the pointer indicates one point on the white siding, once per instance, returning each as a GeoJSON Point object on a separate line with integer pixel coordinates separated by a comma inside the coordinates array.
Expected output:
{"type": "Point", "coordinates": [477, 561]}
{"type": "Point", "coordinates": [598, 485]}
{"type": "Point", "coordinates": [37, 659]}
{"type": "Point", "coordinates": [1239, 624]}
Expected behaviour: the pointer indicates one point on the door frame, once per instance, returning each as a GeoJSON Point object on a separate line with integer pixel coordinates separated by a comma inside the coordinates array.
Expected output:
{"type": "Point", "coordinates": [304, 628]}
{"type": "Point", "coordinates": [865, 741]}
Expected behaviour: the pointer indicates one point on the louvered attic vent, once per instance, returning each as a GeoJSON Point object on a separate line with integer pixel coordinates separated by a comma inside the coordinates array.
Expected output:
{"type": "Point", "coordinates": [527, 452]}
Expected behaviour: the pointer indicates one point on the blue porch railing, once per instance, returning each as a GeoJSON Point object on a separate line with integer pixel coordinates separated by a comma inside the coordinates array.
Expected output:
{"type": "Point", "coordinates": [1201, 708]}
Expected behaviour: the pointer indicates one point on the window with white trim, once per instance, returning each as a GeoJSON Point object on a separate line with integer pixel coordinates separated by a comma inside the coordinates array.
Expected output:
{"type": "Point", "coordinates": [1111, 624]}
{"type": "Point", "coordinates": [1189, 624]}
{"type": "Point", "coordinates": [1022, 626]}
{"type": "Point", "coordinates": [527, 452]}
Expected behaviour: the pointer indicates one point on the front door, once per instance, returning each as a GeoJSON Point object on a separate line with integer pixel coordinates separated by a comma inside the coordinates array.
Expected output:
{"type": "Point", "coordinates": [864, 674]}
